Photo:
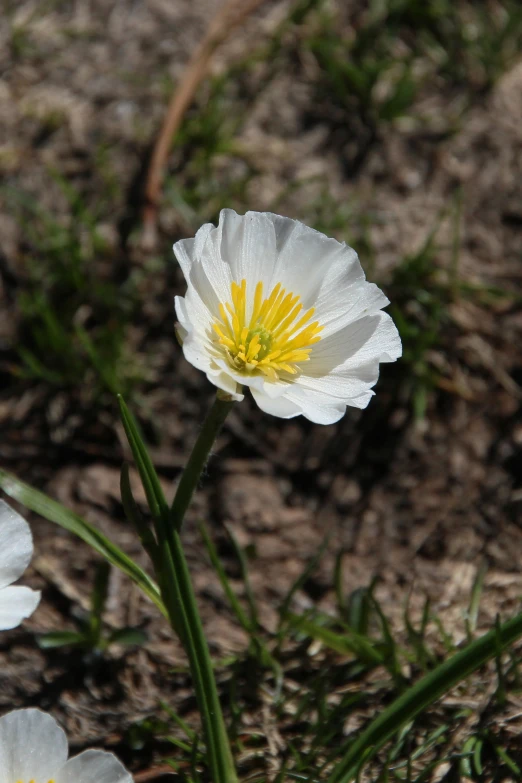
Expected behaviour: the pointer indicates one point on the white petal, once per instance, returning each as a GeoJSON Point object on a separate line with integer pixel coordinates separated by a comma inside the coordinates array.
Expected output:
{"type": "Point", "coordinates": [193, 315]}
{"type": "Point", "coordinates": [210, 288]}
{"type": "Point", "coordinates": [188, 250]}
{"type": "Point", "coordinates": [362, 400]}
{"type": "Point", "coordinates": [16, 603]}
{"type": "Point", "coordinates": [306, 259]}
{"type": "Point", "coordinates": [259, 382]}
{"type": "Point", "coordinates": [372, 338]}
{"type": "Point", "coordinates": [319, 408]}
{"type": "Point", "coordinates": [226, 383]}
{"type": "Point", "coordinates": [247, 243]}
{"type": "Point", "coordinates": [327, 274]}
{"type": "Point", "coordinates": [348, 366]}
{"type": "Point", "coordinates": [180, 306]}
{"type": "Point", "coordinates": [197, 351]}
{"type": "Point", "coordinates": [241, 247]}
{"type": "Point", "coordinates": [16, 545]}
{"type": "Point", "coordinates": [298, 401]}
{"type": "Point", "coordinates": [206, 291]}
{"type": "Point", "coordinates": [278, 406]}
{"type": "Point", "coordinates": [32, 747]}
{"type": "Point", "coordinates": [211, 274]}
{"type": "Point", "coordinates": [344, 384]}
{"type": "Point", "coordinates": [93, 766]}
{"type": "Point", "coordinates": [340, 303]}
{"type": "Point", "coordinates": [341, 373]}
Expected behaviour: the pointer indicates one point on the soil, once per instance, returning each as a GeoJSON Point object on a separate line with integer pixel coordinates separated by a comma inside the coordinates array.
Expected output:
{"type": "Point", "coordinates": [420, 504]}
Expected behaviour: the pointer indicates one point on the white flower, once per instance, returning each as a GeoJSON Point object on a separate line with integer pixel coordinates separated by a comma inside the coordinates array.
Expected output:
{"type": "Point", "coordinates": [16, 550]}
{"type": "Point", "coordinates": [276, 306]}
{"type": "Point", "coordinates": [33, 749]}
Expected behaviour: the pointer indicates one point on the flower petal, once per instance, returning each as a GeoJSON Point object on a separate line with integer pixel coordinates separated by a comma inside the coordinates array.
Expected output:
{"type": "Point", "coordinates": [259, 382]}
{"type": "Point", "coordinates": [197, 352]}
{"type": "Point", "coordinates": [189, 250]}
{"type": "Point", "coordinates": [32, 747]}
{"type": "Point", "coordinates": [347, 366]}
{"type": "Point", "coordinates": [345, 384]}
{"type": "Point", "coordinates": [16, 545]}
{"type": "Point", "coordinates": [246, 244]}
{"type": "Point", "coordinates": [16, 603]}
{"type": "Point", "coordinates": [310, 263]}
{"type": "Point", "coordinates": [340, 303]}
{"type": "Point", "coordinates": [372, 338]}
{"type": "Point", "coordinates": [298, 401]}
{"type": "Point", "coordinates": [342, 373]}
{"type": "Point", "coordinates": [210, 274]}
{"type": "Point", "coordinates": [278, 406]}
{"type": "Point", "coordinates": [180, 306]}
{"type": "Point", "coordinates": [93, 766]}
{"type": "Point", "coordinates": [226, 383]}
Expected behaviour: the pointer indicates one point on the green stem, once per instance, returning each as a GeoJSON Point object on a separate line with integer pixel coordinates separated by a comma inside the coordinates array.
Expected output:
{"type": "Point", "coordinates": [176, 586]}
{"type": "Point", "coordinates": [198, 459]}
{"type": "Point", "coordinates": [180, 601]}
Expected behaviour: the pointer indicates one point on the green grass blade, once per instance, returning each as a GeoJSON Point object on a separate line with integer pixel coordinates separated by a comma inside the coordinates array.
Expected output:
{"type": "Point", "coordinates": [135, 516]}
{"type": "Point", "coordinates": [477, 756]}
{"type": "Point", "coordinates": [55, 512]}
{"type": "Point", "coordinates": [155, 498]}
{"type": "Point", "coordinates": [423, 694]}
{"type": "Point", "coordinates": [508, 761]}
{"type": "Point", "coordinates": [178, 720]}
{"type": "Point", "coordinates": [248, 623]}
{"type": "Point", "coordinates": [233, 600]}
{"type": "Point", "coordinates": [105, 369]}
{"type": "Point", "coordinates": [55, 639]}
{"type": "Point", "coordinates": [348, 642]}
{"type": "Point", "coordinates": [297, 585]}
{"type": "Point", "coordinates": [476, 595]}
{"type": "Point", "coordinates": [243, 565]}
{"type": "Point", "coordinates": [129, 637]}
{"type": "Point", "coordinates": [358, 610]}
{"type": "Point", "coordinates": [98, 600]}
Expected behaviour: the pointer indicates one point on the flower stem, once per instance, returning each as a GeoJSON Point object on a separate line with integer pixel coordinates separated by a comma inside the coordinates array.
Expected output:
{"type": "Point", "coordinates": [198, 459]}
{"type": "Point", "coordinates": [182, 609]}
{"type": "Point", "coordinates": [176, 585]}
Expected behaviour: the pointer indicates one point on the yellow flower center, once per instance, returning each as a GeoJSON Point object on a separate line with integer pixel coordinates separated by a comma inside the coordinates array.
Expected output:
{"type": "Point", "coordinates": [275, 337]}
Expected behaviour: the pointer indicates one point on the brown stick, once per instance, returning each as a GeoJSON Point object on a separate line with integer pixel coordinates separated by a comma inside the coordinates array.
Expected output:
{"type": "Point", "coordinates": [229, 15]}
{"type": "Point", "coordinates": [152, 774]}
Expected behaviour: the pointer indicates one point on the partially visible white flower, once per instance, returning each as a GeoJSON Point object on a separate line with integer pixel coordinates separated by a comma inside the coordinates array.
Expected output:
{"type": "Point", "coordinates": [276, 306]}
{"type": "Point", "coordinates": [16, 550]}
{"type": "Point", "coordinates": [34, 749]}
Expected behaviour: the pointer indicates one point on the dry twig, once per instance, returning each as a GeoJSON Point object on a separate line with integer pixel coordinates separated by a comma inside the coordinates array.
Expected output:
{"type": "Point", "coordinates": [153, 773]}
{"type": "Point", "coordinates": [229, 15]}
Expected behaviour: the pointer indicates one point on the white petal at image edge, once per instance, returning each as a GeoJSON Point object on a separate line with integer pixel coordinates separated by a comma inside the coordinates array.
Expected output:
{"type": "Point", "coordinates": [16, 545]}
{"type": "Point", "coordinates": [93, 766]}
{"type": "Point", "coordinates": [16, 603]}
{"type": "Point", "coordinates": [32, 746]}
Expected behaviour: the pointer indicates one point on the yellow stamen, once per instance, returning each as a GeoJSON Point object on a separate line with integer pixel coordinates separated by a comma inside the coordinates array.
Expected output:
{"type": "Point", "coordinates": [266, 337]}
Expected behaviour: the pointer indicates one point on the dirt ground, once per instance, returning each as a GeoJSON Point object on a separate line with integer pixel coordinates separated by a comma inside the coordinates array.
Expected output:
{"type": "Point", "coordinates": [421, 504]}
